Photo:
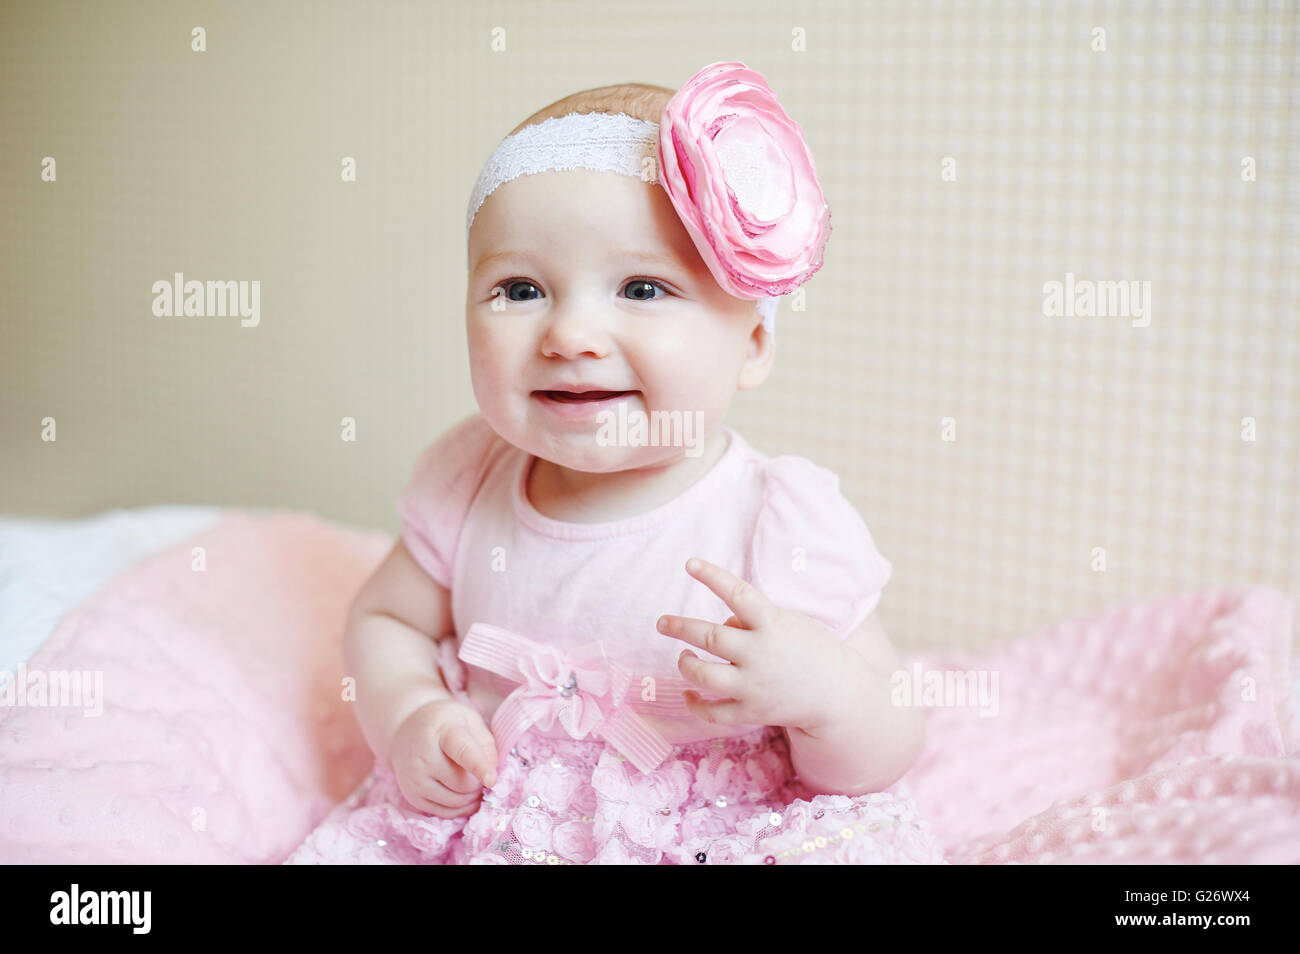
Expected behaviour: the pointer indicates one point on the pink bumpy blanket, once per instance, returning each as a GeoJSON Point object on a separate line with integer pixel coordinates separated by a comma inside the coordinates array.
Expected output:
{"type": "Point", "coordinates": [1158, 732]}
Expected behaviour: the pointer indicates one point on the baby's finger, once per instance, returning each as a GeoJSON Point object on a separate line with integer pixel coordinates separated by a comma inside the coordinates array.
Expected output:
{"type": "Point", "coordinates": [421, 802]}
{"type": "Point", "coordinates": [441, 794]}
{"type": "Point", "coordinates": [488, 746]}
{"type": "Point", "coordinates": [750, 605]}
{"type": "Point", "coordinates": [721, 640]}
{"type": "Point", "coordinates": [463, 747]}
{"type": "Point", "coordinates": [719, 711]}
{"type": "Point", "coordinates": [442, 811]}
{"type": "Point", "coordinates": [469, 809]}
{"type": "Point", "coordinates": [457, 778]}
{"type": "Point", "coordinates": [719, 678]}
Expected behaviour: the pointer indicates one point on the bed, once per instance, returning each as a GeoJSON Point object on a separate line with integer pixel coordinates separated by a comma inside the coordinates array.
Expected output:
{"type": "Point", "coordinates": [1164, 731]}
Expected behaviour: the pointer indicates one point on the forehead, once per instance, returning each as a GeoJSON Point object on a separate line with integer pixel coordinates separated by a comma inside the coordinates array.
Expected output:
{"type": "Point", "coordinates": [580, 211]}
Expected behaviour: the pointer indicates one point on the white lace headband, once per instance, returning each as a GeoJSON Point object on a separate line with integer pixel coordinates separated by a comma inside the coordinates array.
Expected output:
{"type": "Point", "coordinates": [601, 142]}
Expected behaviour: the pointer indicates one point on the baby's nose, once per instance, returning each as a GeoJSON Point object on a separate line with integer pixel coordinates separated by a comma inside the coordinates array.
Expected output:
{"type": "Point", "coordinates": [572, 332]}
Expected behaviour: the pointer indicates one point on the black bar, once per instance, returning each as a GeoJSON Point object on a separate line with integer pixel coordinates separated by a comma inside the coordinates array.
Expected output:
{"type": "Point", "coordinates": [924, 903]}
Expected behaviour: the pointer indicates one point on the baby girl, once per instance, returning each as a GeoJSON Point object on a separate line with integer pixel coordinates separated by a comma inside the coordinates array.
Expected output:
{"type": "Point", "coordinates": [600, 640]}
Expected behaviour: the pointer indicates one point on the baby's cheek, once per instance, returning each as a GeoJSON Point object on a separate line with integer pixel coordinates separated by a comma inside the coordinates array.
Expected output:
{"type": "Point", "coordinates": [493, 386]}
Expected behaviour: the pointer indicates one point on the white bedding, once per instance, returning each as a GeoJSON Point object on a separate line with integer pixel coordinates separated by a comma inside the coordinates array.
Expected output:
{"type": "Point", "coordinates": [48, 566]}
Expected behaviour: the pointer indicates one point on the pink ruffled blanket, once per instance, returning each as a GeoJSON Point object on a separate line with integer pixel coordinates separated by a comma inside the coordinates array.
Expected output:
{"type": "Point", "coordinates": [1160, 732]}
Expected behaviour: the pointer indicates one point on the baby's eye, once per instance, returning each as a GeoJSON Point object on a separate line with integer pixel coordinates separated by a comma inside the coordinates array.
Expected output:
{"type": "Point", "coordinates": [642, 289]}
{"type": "Point", "coordinates": [511, 285]}
{"type": "Point", "coordinates": [639, 289]}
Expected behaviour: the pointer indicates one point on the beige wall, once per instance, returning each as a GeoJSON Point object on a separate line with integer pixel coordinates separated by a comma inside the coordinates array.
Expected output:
{"type": "Point", "coordinates": [1071, 433]}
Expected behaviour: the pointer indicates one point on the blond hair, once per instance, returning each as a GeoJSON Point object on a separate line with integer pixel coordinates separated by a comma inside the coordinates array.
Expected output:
{"type": "Point", "coordinates": [638, 100]}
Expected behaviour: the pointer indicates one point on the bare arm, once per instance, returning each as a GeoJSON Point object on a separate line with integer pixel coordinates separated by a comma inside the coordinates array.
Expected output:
{"type": "Point", "coordinates": [388, 646]}
{"type": "Point", "coordinates": [873, 742]}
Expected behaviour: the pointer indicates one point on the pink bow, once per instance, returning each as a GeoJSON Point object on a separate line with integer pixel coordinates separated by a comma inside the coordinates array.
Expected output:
{"type": "Point", "coordinates": [582, 689]}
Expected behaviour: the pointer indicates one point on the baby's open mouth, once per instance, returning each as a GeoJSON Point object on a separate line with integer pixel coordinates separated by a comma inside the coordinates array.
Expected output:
{"type": "Point", "coordinates": [582, 397]}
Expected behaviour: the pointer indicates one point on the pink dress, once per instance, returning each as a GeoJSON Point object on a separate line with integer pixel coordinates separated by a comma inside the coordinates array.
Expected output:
{"type": "Point", "coordinates": [556, 645]}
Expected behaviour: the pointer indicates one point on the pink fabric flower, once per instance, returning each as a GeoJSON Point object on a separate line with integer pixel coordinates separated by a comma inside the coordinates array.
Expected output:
{"type": "Point", "coordinates": [640, 824]}
{"type": "Point", "coordinates": [533, 829]}
{"type": "Point", "coordinates": [369, 822]}
{"type": "Point", "coordinates": [765, 771]}
{"type": "Point", "coordinates": [573, 841]}
{"type": "Point", "coordinates": [728, 850]}
{"type": "Point", "coordinates": [710, 782]}
{"type": "Point", "coordinates": [585, 799]}
{"type": "Point", "coordinates": [556, 786]}
{"type": "Point", "coordinates": [612, 852]}
{"type": "Point", "coordinates": [637, 805]}
{"type": "Point", "coordinates": [425, 836]}
{"type": "Point", "coordinates": [797, 815]}
{"type": "Point", "coordinates": [750, 825]}
{"type": "Point", "coordinates": [667, 786]}
{"type": "Point", "coordinates": [479, 832]}
{"type": "Point", "coordinates": [743, 182]}
{"type": "Point", "coordinates": [703, 823]}
{"type": "Point", "coordinates": [609, 779]}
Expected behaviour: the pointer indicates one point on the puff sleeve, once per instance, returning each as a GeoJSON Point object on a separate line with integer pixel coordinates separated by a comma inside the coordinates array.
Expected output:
{"type": "Point", "coordinates": [433, 505]}
{"type": "Point", "coordinates": [811, 551]}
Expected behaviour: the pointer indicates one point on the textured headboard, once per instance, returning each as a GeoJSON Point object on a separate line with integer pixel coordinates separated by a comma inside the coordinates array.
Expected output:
{"type": "Point", "coordinates": [1022, 452]}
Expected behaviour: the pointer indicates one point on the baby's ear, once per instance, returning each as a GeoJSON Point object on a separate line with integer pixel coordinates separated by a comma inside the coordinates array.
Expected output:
{"type": "Point", "coordinates": [759, 358]}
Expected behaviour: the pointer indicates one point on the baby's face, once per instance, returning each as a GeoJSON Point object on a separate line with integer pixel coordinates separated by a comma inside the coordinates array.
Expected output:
{"type": "Point", "coordinates": [589, 280]}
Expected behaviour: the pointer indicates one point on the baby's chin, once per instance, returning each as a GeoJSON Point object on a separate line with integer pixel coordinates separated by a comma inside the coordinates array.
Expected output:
{"type": "Point", "coordinates": [582, 452]}
{"type": "Point", "coordinates": [576, 452]}
{"type": "Point", "coordinates": [599, 442]}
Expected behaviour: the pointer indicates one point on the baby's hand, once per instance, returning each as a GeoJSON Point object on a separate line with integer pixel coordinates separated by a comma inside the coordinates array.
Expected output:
{"type": "Point", "coordinates": [440, 754]}
{"type": "Point", "coordinates": [784, 668]}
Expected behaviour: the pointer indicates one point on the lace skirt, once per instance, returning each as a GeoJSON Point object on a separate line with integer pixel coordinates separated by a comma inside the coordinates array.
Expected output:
{"type": "Point", "coordinates": [565, 801]}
